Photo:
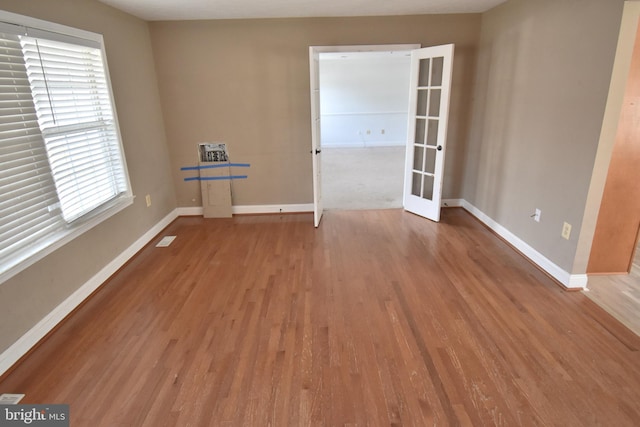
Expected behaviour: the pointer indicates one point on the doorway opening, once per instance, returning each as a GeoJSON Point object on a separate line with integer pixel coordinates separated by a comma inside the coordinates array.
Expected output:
{"type": "Point", "coordinates": [428, 110]}
{"type": "Point", "coordinates": [363, 111]}
{"type": "Point", "coordinates": [316, 147]}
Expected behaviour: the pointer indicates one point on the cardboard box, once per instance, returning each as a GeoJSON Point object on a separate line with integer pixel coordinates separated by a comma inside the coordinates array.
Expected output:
{"type": "Point", "coordinates": [214, 181]}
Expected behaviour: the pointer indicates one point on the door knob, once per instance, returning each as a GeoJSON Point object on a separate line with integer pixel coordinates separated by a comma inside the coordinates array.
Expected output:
{"type": "Point", "coordinates": [439, 148]}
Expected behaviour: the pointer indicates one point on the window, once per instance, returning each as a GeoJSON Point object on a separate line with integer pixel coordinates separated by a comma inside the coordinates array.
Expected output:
{"type": "Point", "coordinates": [62, 164]}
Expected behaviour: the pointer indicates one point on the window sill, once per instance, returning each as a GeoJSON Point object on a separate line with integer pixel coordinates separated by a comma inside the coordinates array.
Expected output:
{"type": "Point", "coordinates": [59, 239]}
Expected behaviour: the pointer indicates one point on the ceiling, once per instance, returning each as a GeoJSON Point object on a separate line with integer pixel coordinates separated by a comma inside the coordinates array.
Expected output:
{"type": "Point", "coordinates": [172, 10]}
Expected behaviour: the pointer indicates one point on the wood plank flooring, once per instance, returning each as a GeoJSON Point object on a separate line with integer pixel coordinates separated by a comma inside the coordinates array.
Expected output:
{"type": "Point", "coordinates": [619, 294]}
{"type": "Point", "coordinates": [376, 318]}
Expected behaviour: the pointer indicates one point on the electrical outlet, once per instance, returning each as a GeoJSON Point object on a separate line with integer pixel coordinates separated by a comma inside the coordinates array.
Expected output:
{"type": "Point", "coordinates": [566, 230]}
{"type": "Point", "coordinates": [148, 199]}
{"type": "Point", "coordinates": [382, 131]}
{"type": "Point", "coordinates": [536, 215]}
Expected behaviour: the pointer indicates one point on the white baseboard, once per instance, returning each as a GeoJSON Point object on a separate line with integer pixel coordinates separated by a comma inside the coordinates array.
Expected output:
{"type": "Point", "coordinates": [190, 211]}
{"type": "Point", "coordinates": [264, 209]}
{"type": "Point", "coordinates": [44, 326]}
{"type": "Point", "coordinates": [252, 209]}
{"type": "Point", "coordinates": [575, 281]}
{"type": "Point", "coordinates": [451, 203]}
{"type": "Point", "coordinates": [578, 281]}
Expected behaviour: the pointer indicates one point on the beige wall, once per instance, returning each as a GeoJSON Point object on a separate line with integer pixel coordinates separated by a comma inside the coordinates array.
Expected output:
{"type": "Point", "coordinates": [32, 294]}
{"type": "Point", "coordinates": [246, 82]}
{"type": "Point", "coordinates": [543, 75]}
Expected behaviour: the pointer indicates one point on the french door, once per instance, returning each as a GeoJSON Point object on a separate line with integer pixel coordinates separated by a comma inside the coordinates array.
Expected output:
{"type": "Point", "coordinates": [430, 87]}
{"type": "Point", "coordinates": [316, 150]}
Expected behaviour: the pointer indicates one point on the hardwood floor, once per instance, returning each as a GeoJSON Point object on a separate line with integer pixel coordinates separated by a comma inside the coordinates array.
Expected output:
{"type": "Point", "coordinates": [619, 294]}
{"type": "Point", "coordinates": [376, 318]}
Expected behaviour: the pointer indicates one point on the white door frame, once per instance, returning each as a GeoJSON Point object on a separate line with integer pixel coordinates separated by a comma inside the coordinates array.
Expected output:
{"type": "Point", "coordinates": [314, 73]}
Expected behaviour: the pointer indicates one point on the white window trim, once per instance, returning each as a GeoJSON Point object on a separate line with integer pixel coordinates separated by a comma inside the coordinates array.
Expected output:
{"type": "Point", "coordinates": [106, 211]}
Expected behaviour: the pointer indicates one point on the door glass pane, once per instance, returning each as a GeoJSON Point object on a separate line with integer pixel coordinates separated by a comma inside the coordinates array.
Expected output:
{"type": "Point", "coordinates": [421, 125]}
{"type": "Point", "coordinates": [423, 76]}
{"type": "Point", "coordinates": [430, 162]}
{"type": "Point", "coordinates": [421, 109]}
{"type": "Point", "coordinates": [416, 183]}
{"type": "Point", "coordinates": [432, 133]}
{"type": "Point", "coordinates": [436, 71]}
{"type": "Point", "coordinates": [434, 103]}
{"type": "Point", "coordinates": [418, 158]}
{"type": "Point", "coordinates": [428, 187]}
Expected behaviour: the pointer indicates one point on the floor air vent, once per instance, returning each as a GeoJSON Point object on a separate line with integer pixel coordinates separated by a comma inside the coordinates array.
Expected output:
{"type": "Point", "coordinates": [10, 399]}
{"type": "Point", "coordinates": [166, 241]}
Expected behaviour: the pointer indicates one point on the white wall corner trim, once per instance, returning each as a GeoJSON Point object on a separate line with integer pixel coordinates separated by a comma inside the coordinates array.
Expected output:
{"type": "Point", "coordinates": [44, 326]}
{"type": "Point", "coordinates": [569, 281]}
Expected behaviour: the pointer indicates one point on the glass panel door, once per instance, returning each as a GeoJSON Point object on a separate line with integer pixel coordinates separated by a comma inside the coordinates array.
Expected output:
{"type": "Point", "coordinates": [428, 112]}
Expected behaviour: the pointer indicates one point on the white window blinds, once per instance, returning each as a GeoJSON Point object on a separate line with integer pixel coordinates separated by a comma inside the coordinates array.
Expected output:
{"type": "Point", "coordinates": [73, 105]}
{"type": "Point", "coordinates": [62, 168]}
{"type": "Point", "coordinates": [27, 191]}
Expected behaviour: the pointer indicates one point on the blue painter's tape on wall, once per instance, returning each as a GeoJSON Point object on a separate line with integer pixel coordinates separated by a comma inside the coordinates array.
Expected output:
{"type": "Point", "coordinates": [222, 165]}
{"type": "Point", "coordinates": [215, 178]}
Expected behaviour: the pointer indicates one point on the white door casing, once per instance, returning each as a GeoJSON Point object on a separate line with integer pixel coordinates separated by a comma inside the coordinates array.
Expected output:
{"type": "Point", "coordinates": [431, 70]}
